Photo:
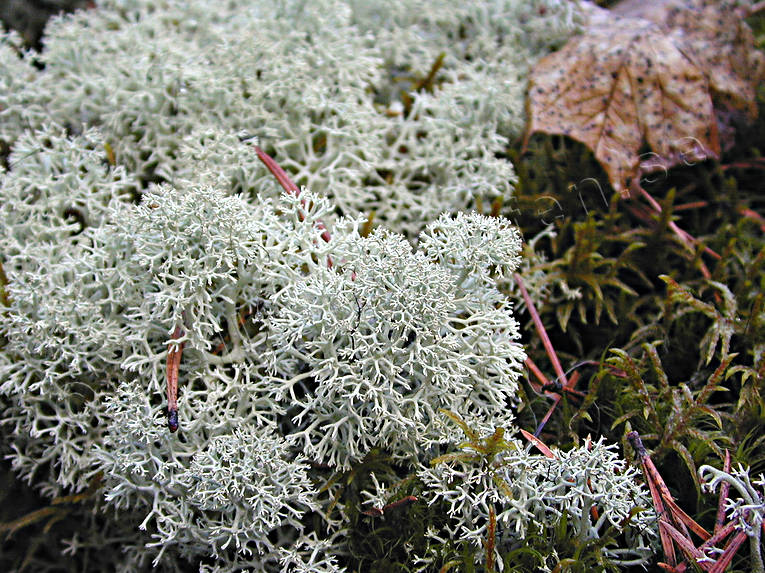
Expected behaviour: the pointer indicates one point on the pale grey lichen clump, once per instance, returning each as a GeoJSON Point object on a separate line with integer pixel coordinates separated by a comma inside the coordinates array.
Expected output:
{"type": "Point", "coordinates": [361, 354]}
{"type": "Point", "coordinates": [590, 487]}
{"type": "Point", "coordinates": [390, 339]}
{"type": "Point", "coordinates": [320, 82]}
{"type": "Point", "coordinates": [133, 208]}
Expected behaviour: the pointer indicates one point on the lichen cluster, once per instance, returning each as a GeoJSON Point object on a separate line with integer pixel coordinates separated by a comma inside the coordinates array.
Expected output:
{"type": "Point", "coordinates": [341, 92]}
{"type": "Point", "coordinates": [319, 358]}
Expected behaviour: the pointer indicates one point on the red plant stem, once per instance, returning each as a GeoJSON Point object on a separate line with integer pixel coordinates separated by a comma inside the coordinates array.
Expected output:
{"type": "Point", "coordinates": [692, 205]}
{"type": "Point", "coordinates": [173, 365]}
{"type": "Point", "coordinates": [758, 163]}
{"type": "Point", "coordinates": [399, 502]}
{"type": "Point", "coordinates": [289, 186]}
{"type": "Point", "coordinates": [549, 413]}
{"type": "Point", "coordinates": [685, 545]}
{"type": "Point", "coordinates": [666, 541]}
{"type": "Point", "coordinates": [754, 216]}
{"type": "Point", "coordinates": [538, 388]}
{"type": "Point", "coordinates": [556, 400]}
{"type": "Point", "coordinates": [719, 535]}
{"type": "Point", "coordinates": [684, 236]}
{"type": "Point", "coordinates": [724, 488]}
{"type": "Point", "coordinates": [570, 388]}
{"type": "Point", "coordinates": [673, 524]}
{"type": "Point", "coordinates": [541, 330]}
{"type": "Point", "coordinates": [540, 376]}
{"type": "Point", "coordinates": [539, 444]}
{"type": "Point", "coordinates": [276, 170]}
{"type": "Point", "coordinates": [566, 385]}
{"type": "Point", "coordinates": [551, 389]}
{"type": "Point", "coordinates": [730, 550]}
{"type": "Point", "coordinates": [681, 519]}
{"type": "Point", "coordinates": [641, 213]}
{"type": "Point", "coordinates": [679, 569]}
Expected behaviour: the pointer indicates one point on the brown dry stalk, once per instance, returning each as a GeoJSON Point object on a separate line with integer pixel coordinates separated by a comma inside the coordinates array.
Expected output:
{"type": "Point", "coordinates": [674, 523]}
{"type": "Point", "coordinates": [173, 365]}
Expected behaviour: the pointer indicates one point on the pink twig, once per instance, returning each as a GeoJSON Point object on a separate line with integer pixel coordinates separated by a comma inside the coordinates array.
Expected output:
{"type": "Point", "coordinates": [757, 163]}
{"type": "Point", "coordinates": [754, 216]}
{"type": "Point", "coordinates": [549, 413]}
{"type": "Point", "coordinates": [173, 365]}
{"type": "Point", "coordinates": [566, 385]}
{"type": "Point", "coordinates": [724, 488]}
{"type": "Point", "coordinates": [686, 238]}
{"type": "Point", "coordinates": [540, 376]}
{"type": "Point", "coordinates": [539, 444]}
{"type": "Point", "coordinates": [281, 176]}
{"type": "Point", "coordinates": [730, 550]}
{"type": "Point", "coordinates": [673, 522]}
{"type": "Point", "coordinates": [658, 503]}
{"type": "Point", "coordinates": [719, 535]}
{"type": "Point", "coordinates": [541, 330]}
{"type": "Point", "coordinates": [692, 205]}
{"type": "Point", "coordinates": [290, 187]}
{"type": "Point", "coordinates": [685, 545]}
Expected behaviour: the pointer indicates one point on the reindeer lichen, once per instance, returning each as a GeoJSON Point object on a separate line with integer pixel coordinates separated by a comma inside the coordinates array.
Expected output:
{"type": "Point", "coordinates": [136, 220]}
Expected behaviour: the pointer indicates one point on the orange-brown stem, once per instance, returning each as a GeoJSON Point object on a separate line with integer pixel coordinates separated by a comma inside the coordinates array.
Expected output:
{"type": "Point", "coordinates": [685, 237]}
{"type": "Point", "coordinates": [174, 353]}
{"type": "Point", "coordinates": [491, 539]}
{"type": "Point", "coordinates": [730, 550]}
{"type": "Point", "coordinates": [724, 488]}
{"type": "Point", "coordinates": [290, 187]}
{"type": "Point", "coordinates": [538, 444]}
{"type": "Point", "coordinates": [541, 330]}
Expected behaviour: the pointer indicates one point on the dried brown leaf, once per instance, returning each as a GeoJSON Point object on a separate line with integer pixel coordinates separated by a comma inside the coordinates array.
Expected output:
{"type": "Point", "coordinates": [659, 74]}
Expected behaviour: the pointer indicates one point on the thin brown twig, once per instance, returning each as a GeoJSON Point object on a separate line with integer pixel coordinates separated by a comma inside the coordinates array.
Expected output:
{"type": "Point", "coordinates": [426, 83]}
{"type": "Point", "coordinates": [4, 298]}
{"type": "Point", "coordinates": [724, 489]}
{"type": "Point", "coordinates": [289, 186]}
{"type": "Point", "coordinates": [173, 366]}
{"type": "Point", "coordinates": [754, 216]}
{"type": "Point", "coordinates": [687, 239]}
{"type": "Point", "coordinates": [541, 330]}
{"type": "Point", "coordinates": [673, 522]}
